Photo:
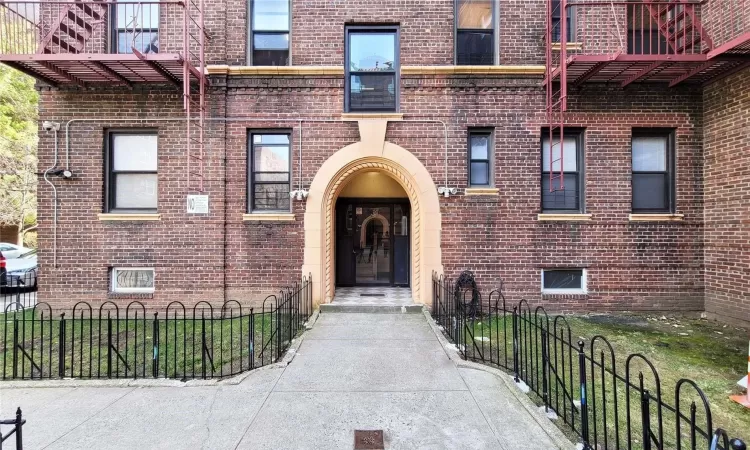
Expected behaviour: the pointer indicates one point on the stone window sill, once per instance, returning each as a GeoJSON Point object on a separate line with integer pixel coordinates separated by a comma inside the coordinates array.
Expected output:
{"type": "Point", "coordinates": [364, 115]}
{"type": "Point", "coordinates": [263, 217]}
{"type": "Point", "coordinates": [568, 46]}
{"type": "Point", "coordinates": [656, 217]}
{"type": "Point", "coordinates": [564, 217]}
{"type": "Point", "coordinates": [481, 191]}
{"type": "Point", "coordinates": [129, 217]}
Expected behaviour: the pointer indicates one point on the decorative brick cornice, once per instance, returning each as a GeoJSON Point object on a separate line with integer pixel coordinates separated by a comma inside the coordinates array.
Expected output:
{"type": "Point", "coordinates": [270, 71]}
{"type": "Point", "coordinates": [275, 70]}
{"type": "Point", "coordinates": [530, 70]}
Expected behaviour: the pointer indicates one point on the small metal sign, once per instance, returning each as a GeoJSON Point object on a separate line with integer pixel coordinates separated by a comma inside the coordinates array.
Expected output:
{"type": "Point", "coordinates": [359, 211]}
{"type": "Point", "coordinates": [197, 204]}
{"type": "Point", "coordinates": [368, 440]}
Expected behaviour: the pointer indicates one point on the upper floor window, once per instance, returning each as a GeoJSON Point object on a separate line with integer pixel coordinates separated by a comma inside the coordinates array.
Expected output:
{"type": "Point", "coordinates": [475, 37]}
{"type": "Point", "coordinates": [557, 15]}
{"type": "Point", "coordinates": [480, 158]}
{"type": "Point", "coordinates": [132, 178]}
{"type": "Point", "coordinates": [653, 171]}
{"type": "Point", "coordinates": [136, 26]}
{"type": "Point", "coordinates": [269, 39]}
{"type": "Point", "coordinates": [568, 195]}
{"type": "Point", "coordinates": [372, 69]}
{"type": "Point", "coordinates": [269, 178]}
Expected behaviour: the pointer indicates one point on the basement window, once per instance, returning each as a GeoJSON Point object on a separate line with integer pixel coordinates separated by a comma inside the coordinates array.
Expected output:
{"type": "Point", "coordinates": [132, 280]}
{"type": "Point", "coordinates": [563, 281]}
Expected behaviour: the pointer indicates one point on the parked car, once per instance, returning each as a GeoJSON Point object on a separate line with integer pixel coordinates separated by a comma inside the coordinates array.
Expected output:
{"type": "Point", "coordinates": [12, 251]}
{"type": "Point", "coordinates": [21, 272]}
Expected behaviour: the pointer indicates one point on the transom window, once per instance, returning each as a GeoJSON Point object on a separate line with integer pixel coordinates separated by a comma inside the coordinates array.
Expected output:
{"type": "Point", "coordinates": [372, 69]}
{"type": "Point", "coordinates": [564, 281]}
{"type": "Point", "coordinates": [569, 195]}
{"type": "Point", "coordinates": [269, 171]}
{"type": "Point", "coordinates": [653, 169]}
{"type": "Point", "coordinates": [132, 280]}
{"type": "Point", "coordinates": [475, 37]}
{"type": "Point", "coordinates": [132, 177]}
{"type": "Point", "coordinates": [136, 27]}
{"type": "Point", "coordinates": [480, 157]}
{"type": "Point", "coordinates": [269, 39]}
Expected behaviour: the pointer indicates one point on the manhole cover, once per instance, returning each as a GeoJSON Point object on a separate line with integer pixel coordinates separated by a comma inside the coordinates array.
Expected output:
{"type": "Point", "coordinates": [372, 295]}
{"type": "Point", "coordinates": [368, 440]}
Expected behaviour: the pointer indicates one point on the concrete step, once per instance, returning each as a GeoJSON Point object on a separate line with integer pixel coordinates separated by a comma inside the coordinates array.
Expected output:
{"type": "Point", "coordinates": [377, 309]}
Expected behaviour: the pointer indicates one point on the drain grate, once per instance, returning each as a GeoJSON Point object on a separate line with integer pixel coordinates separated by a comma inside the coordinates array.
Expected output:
{"type": "Point", "coordinates": [368, 440]}
{"type": "Point", "coordinates": [372, 295]}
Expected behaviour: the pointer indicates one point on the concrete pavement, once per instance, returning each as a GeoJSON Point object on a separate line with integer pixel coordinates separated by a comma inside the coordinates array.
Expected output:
{"type": "Point", "coordinates": [350, 372]}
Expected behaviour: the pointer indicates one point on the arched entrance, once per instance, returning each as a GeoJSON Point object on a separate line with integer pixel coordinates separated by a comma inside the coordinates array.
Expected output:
{"type": "Point", "coordinates": [320, 216]}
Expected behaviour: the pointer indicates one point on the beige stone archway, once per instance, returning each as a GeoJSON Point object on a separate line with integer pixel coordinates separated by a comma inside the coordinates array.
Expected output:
{"type": "Point", "coordinates": [372, 154]}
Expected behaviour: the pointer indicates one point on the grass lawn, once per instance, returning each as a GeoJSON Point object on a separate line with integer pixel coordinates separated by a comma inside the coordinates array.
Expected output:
{"type": "Point", "coordinates": [712, 355]}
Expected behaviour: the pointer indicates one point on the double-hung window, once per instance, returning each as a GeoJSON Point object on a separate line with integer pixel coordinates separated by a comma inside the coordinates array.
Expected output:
{"type": "Point", "coordinates": [269, 39]}
{"type": "Point", "coordinates": [557, 15]}
{"type": "Point", "coordinates": [372, 68]}
{"type": "Point", "coordinates": [480, 157]}
{"type": "Point", "coordinates": [268, 178]}
{"type": "Point", "coordinates": [136, 26]}
{"type": "Point", "coordinates": [132, 178]}
{"type": "Point", "coordinates": [565, 196]}
{"type": "Point", "coordinates": [653, 171]}
{"type": "Point", "coordinates": [475, 36]}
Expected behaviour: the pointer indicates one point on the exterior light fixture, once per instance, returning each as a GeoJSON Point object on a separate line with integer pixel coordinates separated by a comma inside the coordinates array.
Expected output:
{"type": "Point", "coordinates": [446, 191]}
{"type": "Point", "coordinates": [299, 194]}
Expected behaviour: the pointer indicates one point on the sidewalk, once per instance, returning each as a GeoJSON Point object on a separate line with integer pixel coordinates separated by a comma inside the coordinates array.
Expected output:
{"type": "Point", "coordinates": [352, 371]}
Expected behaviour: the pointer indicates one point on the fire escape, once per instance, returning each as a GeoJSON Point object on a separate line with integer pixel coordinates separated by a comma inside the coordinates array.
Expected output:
{"type": "Point", "coordinates": [100, 43]}
{"type": "Point", "coordinates": [667, 42]}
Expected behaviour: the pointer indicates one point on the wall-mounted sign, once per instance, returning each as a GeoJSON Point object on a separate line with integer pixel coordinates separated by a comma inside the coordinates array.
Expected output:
{"type": "Point", "coordinates": [359, 211]}
{"type": "Point", "coordinates": [197, 204]}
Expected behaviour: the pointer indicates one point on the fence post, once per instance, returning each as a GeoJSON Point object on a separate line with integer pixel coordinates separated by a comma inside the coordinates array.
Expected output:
{"type": "Point", "coordinates": [109, 346]}
{"type": "Point", "coordinates": [545, 369]}
{"type": "Point", "coordinates": [515, 344]}
{"type": "Point", "coordinates": [584, 395]}
{"type": "Point", "coordinates": [61, 351]}
{"type": "Point", "coordinates": [15, 346]}
{"type": "Point", "coordinates": [155, 350]}
{"type": "Point", "coordinates": [19, 428]}
{"type": "Point", "coordinates": [645, 418]}
{"type": "Point", "coordinates": [251, 339]}
{"type": "Point", "coordinates": [203, 346]}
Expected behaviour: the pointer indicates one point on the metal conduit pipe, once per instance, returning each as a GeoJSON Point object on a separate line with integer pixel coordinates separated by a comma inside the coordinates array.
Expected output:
{"type": "Point", "coordinates": [54, 200]}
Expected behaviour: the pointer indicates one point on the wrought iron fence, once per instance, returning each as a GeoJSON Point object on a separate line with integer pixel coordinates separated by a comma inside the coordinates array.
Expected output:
{"type": "Point", "coordinates": [17, 430]}
{"type": "Point", "coordinates": [607, 408]}
{"type": "Point", "coordinates": [178, 342]}
{"type": "Point", "coordinates": [19, 290]}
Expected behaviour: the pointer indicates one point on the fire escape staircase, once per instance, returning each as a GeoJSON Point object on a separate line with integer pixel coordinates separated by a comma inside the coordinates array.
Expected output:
{"type": "Point", "coordinates": [684, 53]}
{"type": "Point", "coordinates": [66, 43]}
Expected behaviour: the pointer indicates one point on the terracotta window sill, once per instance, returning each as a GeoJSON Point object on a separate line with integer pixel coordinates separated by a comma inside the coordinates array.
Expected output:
{"type": "Point", "coordinates": [262, 217]}
{"type": "Point", "coordinates": [481, 191]}
{"type": "Point", "coordinates": [564, 217]}
{"type": "Point", "coordinates": [568, 46]}
{"type": "Point", "coordinates": [656, 217]}
{"type": "Point", "coordinates": [359, 116]}
{"type": "Point", "coordinates": [129, 217]}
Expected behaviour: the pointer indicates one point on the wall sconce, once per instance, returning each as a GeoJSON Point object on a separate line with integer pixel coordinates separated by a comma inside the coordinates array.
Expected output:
{"type": "Point", "coordinates": [446, 191]}
{"type": "Point", "coordinates": [299, 194]}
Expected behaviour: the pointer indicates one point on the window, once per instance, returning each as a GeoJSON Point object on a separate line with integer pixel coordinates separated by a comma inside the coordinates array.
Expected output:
{"type": "Point", "coordinates": [653, 171]}
{"type": "Point", "coordinates": [136, 27]}
{"type": "Point", "coordinates": [269, 171]}
{"type": "Point", "coordinates": [557, 23]}
{"type": "Point", "coordinates": [132, 180]}
{"type": "Point", "coordinates": [563, 281]}
{"type": "Point", "coordinates": [644, 37]}
{"type": "Point", "coordinates": [269, 39]}
{"type": "Point", "coordinates": [480, 157]}
{"type": "Point", "coordinates": [372, 69]}
{"type": "Point", "coordinates": [475, 37]}
{"type": "Point", "coordinates": [569, 199]}
{"type": "Point", "coordinates": [133, 280]}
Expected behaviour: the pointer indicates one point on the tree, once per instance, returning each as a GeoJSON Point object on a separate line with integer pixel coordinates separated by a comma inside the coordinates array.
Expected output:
{"type": "Point", "coordinates": [18, 150]}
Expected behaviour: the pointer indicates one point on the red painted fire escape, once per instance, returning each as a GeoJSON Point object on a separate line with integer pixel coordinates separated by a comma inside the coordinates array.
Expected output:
{"type": "Point", "coordinates": [100, 43]}
{"type": "Point", "coordinates": [667, 42]}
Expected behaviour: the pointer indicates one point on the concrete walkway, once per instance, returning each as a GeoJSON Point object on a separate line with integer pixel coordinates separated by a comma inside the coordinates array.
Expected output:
{"type": "Point", "coordinates": [351, 371]}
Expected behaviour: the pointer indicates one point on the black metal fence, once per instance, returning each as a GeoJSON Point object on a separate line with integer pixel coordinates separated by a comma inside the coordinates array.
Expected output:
{"type": "Point", "coordinates": [16, 431]}
{"type": "Point", "coordinates": [606, 407]}
{"type": "Point", "coordinates": [132, 342]}
{"type": "Point", "coordinates": [19, 290]}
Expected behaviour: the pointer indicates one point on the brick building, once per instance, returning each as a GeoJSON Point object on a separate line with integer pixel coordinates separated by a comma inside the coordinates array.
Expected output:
{"type": "Point", "coordinates": [414, 137]}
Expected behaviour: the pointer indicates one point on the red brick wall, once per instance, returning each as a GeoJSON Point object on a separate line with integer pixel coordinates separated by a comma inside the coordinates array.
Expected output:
{"type": "Point", "coordinates": [631, 266]}
{"type": "Point", "coordinates": [726, 107]}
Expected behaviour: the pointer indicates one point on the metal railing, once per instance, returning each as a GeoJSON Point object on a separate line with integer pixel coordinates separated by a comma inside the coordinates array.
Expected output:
{"type": "Point", "coordinates": [606, 407]}
{"type": "Point", "coordinates": [177, 342]}
{"type": "Point", "coordinates": [17, 430]}
{"type": "Point", "coordinates": [19, 290]}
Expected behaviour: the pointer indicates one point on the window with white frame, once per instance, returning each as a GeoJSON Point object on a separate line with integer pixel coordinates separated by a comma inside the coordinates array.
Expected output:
{"type": "Point", "coordinates": [132, 280]}
{"type": "Point", "coordinates": [564, 281]}
{"type": "Point", "coordinates": [132, 178]}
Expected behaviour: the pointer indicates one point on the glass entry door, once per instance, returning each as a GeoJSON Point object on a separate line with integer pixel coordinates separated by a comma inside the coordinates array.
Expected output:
{"type": "Point", "coordinates": [372, 240]}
